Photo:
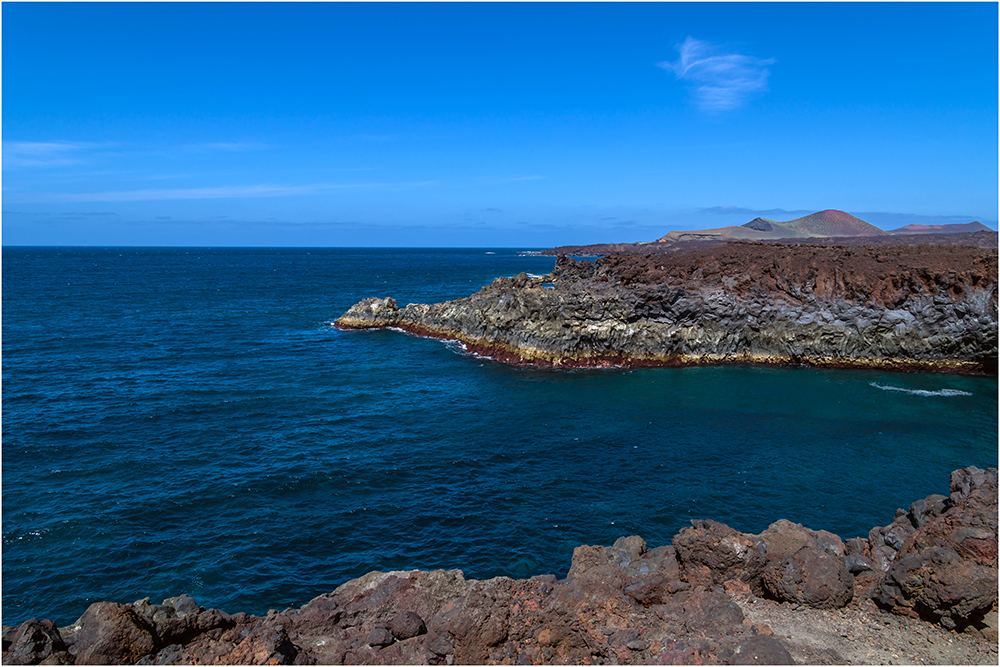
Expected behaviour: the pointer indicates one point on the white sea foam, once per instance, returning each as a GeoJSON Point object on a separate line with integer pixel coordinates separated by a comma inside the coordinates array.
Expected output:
{"type": "Point", "coordinates": [922, 392]}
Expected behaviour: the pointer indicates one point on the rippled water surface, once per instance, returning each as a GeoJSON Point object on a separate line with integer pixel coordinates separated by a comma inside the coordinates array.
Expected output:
{"type": "Point", "coordinates": [188, 421]}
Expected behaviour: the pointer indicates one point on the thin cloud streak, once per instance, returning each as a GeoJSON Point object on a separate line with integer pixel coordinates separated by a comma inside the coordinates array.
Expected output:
{"type": "Point", "coordinates": [228, 192]}
{"type": "Point", "coordinates": [739, 210]}
{"type": "Point", "coordinates": [722, 81]}
{"type": "Point", "coordinates": [225, 147]}
{"type": "Point", "coordinates": [43, 153]}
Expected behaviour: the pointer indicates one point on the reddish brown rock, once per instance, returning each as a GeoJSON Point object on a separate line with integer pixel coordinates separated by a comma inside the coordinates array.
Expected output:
{"type": "Point", "coordinates": [700, 611]}
{"type": "Point", "coordinates": [407, 624]}
{"type": "Point", "coordinates": [712, 553]}
{"type": "Point", "coordinates": [938, 585]}
{"type": "Point", "coordinates": [811, 577]}
{"type": "Point", "coordinates": [783, 538]}
{"type": "Point", "coordinates": [264, 644]}
{"type": "Point", "coordinates": [111, 633]}
{"type": "Point", "coordinates": [966, 522]}
{"type": "Point", "coordinates": [946, 569]}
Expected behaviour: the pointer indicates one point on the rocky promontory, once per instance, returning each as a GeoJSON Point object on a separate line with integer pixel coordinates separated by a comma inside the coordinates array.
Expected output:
{"type": "Point", "coordinates": [902, 307]}
{"type": "Point", "coordinates": [920, 590]}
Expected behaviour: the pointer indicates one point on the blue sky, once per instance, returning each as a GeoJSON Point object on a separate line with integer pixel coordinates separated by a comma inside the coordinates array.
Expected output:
{"type": "Point", "coordinates": [513, 125]}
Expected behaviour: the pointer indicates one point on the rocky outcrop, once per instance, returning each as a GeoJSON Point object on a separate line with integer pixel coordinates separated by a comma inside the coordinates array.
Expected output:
{"type": "Point", "coordinates": [904, 308]}
{"type": "Point", "coordinates": [622, 604]}
{"type": "Point", "coordinates": [945, 566]}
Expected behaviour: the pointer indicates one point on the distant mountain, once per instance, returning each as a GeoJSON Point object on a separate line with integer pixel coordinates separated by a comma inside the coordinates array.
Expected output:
{"type": "Point", "coordinates": [824, 223]}
{"type": "Point", "coordinates": [942, 229]}
{"type": "Point", "coordinates": [833, 223]}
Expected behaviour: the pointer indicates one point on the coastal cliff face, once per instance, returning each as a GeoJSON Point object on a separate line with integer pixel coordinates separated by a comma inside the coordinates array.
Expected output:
{"type": "Point", "coordinates": [921, 590]}
{"type": "Point", "coordinates": [896, 307]}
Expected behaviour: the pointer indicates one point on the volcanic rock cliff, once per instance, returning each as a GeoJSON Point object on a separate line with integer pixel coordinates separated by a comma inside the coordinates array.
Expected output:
{"type": "Point", "coordinates": [895, 307]}
{"type": "Point", "coordinates": [921, 590]}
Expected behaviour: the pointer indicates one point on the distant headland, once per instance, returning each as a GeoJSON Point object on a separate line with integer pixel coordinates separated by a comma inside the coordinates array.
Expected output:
{"type": "Point", "coordinates": [928, 307]}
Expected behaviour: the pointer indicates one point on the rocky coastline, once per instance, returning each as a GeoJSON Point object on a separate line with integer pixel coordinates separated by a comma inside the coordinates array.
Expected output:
{"type": "Point", "coordinates": [919, 590]}
{"type": "Point", "coordinates": [902, 307]}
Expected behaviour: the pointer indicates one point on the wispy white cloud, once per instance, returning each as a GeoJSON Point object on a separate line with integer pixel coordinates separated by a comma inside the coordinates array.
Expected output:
{"type": "Point", "coordinates": [722, 81]}
{"type": "Point", "coordinates": [25, 154]}
{"type": "Point", "coordinates": [44, 153]}
{"type": "Point", "coordinates": [226, 192]}
{"type": "Point", "coordinates": [739, 210]}
{"type": "Point", "coordinates": [226, 147]}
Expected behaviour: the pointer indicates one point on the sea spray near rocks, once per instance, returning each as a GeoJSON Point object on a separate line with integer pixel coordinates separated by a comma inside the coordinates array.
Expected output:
{"type": "Point", "coordinates": [921, 392]}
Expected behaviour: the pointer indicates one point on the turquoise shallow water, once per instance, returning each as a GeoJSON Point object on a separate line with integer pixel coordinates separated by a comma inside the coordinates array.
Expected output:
{"type": "Point", "coordinates": [187, 420]}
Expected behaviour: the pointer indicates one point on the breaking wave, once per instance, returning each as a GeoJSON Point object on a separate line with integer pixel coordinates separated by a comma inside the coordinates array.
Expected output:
{"type": "Point", "coordinates": [922, 392]}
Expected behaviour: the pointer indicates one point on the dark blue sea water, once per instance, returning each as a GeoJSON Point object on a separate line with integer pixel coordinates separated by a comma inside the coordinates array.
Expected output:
{"type": "Point", "coordinates": [188, 421]}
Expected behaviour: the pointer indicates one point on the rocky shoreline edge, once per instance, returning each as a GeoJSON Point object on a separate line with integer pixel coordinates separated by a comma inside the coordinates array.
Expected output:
{"type": "Point", "coordinates": [901, 308]}
{"type": "Point", "coordinates": [920, 590]}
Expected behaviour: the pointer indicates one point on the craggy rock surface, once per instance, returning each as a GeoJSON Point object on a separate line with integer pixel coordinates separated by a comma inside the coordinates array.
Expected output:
{"type": "Point", "coordinates": [926, 307]}
{"type": "Point", "coordinates": [714, 596]}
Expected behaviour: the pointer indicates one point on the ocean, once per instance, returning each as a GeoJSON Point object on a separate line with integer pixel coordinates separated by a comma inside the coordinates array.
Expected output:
{"type": "Point", "coordinates": [188, 420]}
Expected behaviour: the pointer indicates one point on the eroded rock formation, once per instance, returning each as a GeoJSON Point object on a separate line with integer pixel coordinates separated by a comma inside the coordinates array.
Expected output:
{"type": "Point", "coordinates": [623, 604]}
{"type": "Point", "coordinates": [899, 307]}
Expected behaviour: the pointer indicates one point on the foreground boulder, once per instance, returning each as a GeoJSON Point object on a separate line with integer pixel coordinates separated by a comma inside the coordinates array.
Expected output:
{"type": "Point", "coordinates": [33, 642]}
{"type": "Point", "coordinates": [811, 577]}
{"type": "Point", "coordinates": [111, 633]}
{"type": "Point", "coordinates": [712, 553]}
{"type": "Point", "coordinates": [946, 570]}
{"type": "Point", "coordinates": [938, 585]}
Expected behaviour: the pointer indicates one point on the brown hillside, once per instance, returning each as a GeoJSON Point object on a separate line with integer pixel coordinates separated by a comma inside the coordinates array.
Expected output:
{"type": "Point", "coordinates": [834, 223]}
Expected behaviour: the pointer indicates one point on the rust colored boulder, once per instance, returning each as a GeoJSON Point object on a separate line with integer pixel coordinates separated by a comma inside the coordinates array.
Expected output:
{"type": "Point", "coordinates": [946, 569]}
{"type": "Point", "coordinates": [263, 645]}
{"type": "Point", "coordinates": [811, 577]}
{"type": "Point", "coordinates": [109, 633]}
{"type": "Point", "coordinates": [938, 585]}
{"type": "Point", "coordinates": [967, 523]}
{"type": "Point", "coordinates": [179, 619]}
{"type": "Point", "coordinates": [711, 553]}
{"type": "Point", "coordinates": [783, 538]}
